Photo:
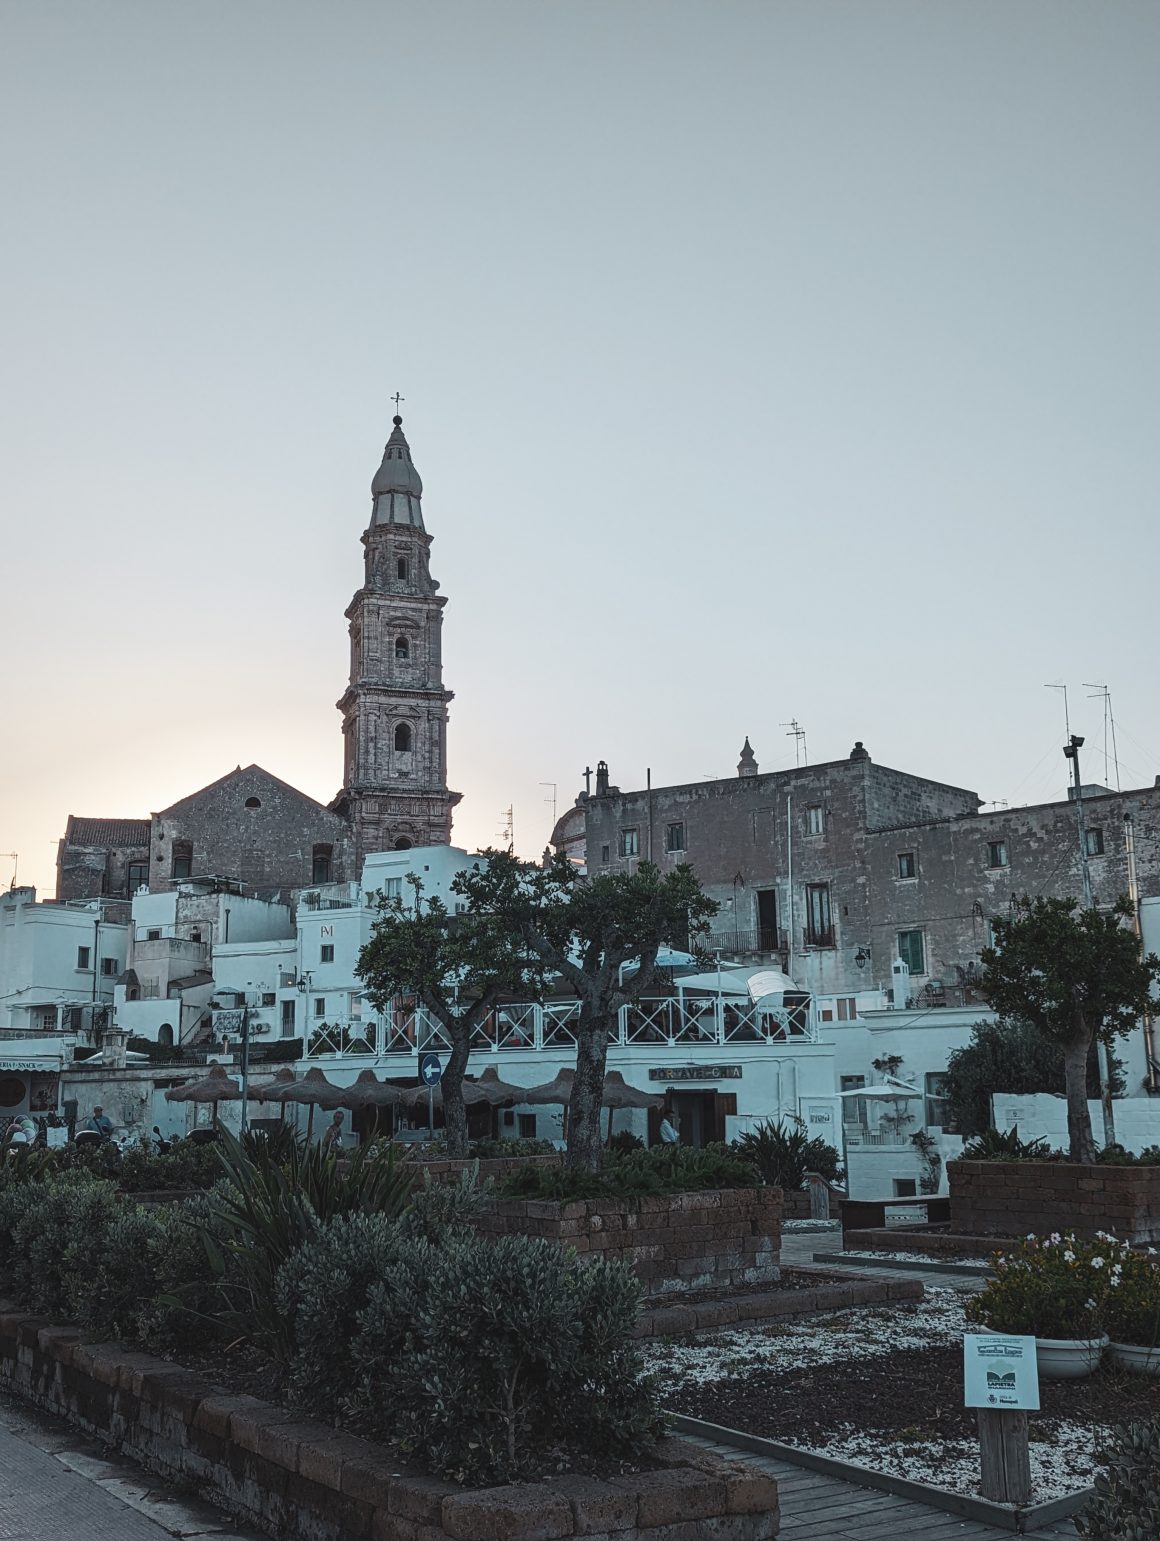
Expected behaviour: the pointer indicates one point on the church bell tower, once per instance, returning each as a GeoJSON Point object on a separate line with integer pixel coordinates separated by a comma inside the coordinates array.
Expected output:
{"type": "Point", "coordinates": [394, 711]}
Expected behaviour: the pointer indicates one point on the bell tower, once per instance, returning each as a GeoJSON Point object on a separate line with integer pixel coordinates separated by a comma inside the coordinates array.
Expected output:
{"type": "Point", "coordinates": [394, 711]}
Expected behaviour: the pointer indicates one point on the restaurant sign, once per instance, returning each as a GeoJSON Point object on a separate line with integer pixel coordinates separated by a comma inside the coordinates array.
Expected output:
{"type": "Point", "coordinates": [695, 1073]}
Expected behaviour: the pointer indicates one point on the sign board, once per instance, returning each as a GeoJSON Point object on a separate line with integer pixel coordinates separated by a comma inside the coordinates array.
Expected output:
{"type": "Point", "coordinates": [430, 1070]}
{"type": "Point", "coordinates": [1000, 1372]}
{"type": "Point", "coordinates": [695, 1073]}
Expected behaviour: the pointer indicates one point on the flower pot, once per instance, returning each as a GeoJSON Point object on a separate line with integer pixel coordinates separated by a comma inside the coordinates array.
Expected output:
{"type": "Point", "coordinates": [1131, 1356]}
{"type": "Point", "coordinates": [1068, 1358]}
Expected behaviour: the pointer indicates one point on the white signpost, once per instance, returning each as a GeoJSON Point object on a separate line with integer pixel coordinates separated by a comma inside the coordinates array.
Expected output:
{"type": "Point", "coordinates": [1001, 1381]}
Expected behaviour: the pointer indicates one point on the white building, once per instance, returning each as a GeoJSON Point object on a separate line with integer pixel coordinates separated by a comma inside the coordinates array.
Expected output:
{"type": "Point", "coordinates": [58, 962]}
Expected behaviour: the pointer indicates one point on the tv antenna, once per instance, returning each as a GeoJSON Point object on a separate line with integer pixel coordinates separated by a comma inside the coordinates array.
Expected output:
{"type": "Point", "coordinates": [507, 830]}
{"type": "Point", "coordinates": [1104, 694]}
{"type": "Point", "coordinates": [551, 799]}
{"type": "Point", "coordinates": [15, 863]}
{"type": "Point", "coordinates": [798, 734]}
{"type": "Point", "coordinates": [1066, 718]}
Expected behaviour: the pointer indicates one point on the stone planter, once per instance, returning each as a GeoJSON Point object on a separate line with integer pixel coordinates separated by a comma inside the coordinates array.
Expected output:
{"type": "Point", "coordinates": [1068, 1358]}
{"type": "Point", "coordinates": [1013, 1198]}
{"type": "Point", "coordinates": [1134, 1357]}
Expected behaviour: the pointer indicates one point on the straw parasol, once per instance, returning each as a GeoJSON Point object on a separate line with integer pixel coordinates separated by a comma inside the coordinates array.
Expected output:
{"type": "Point", "coordinates": [214, 1088]}
{"type": "Point", "coordinates": [499, 1091]}
{"type": "Point", "coordinates": [268, 1091]}
{"type": "Point", "coordinates": [558, 1091]}
{"type": "Point", "coordinates": [313, 1089]}
{"type": "Point", "coordinates": [369, 1092]}
{"type": "Point", "coordinates": [618, 1093]}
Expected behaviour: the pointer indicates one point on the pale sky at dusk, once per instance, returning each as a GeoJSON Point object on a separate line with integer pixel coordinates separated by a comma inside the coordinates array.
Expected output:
{"type": "Point", "coordinates": [760, 361]}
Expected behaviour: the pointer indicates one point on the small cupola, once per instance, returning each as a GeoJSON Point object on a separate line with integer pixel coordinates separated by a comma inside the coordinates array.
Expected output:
{"type": "Point", "coordinates": [397, 488]}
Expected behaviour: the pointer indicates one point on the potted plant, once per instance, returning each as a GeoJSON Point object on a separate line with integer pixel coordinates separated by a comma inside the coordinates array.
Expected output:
{"type": "Point", "coordinates": [1053, 1289]}
{"type": "Point", "coordinates": [1132, 1311]}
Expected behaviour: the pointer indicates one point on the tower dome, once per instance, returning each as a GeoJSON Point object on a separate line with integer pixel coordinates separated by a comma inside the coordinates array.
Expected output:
{"type": "Point", "coordinates": [397, 488]}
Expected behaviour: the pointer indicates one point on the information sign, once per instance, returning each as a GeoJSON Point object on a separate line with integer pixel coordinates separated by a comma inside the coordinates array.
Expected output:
{"type": "Point", "coordinates": [1000, 1372]}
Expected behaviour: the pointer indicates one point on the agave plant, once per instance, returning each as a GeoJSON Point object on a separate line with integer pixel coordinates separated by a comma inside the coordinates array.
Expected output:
{"type": "Point", "coordinates": [784, 1152]}
{"type": "Point", "coordinates": [1005, 1145]}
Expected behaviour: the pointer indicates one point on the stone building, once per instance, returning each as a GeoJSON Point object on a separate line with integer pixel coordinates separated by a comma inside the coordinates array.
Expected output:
{"type": "Point", "coordinates": [251, 828]}
{"type": "Point", "coordinates": [846, 868]}
{"type": "Point", "coordinates": [394, 711]}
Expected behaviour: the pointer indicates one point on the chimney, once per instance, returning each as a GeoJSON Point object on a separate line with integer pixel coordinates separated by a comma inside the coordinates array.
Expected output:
{"type": "Point", "coordinates": [602, 778]}
{"type": "Point", "coordinates": [859, 751]}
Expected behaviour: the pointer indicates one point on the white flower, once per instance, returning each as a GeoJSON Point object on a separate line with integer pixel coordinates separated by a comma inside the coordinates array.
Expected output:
{"type": "Point", "coordinates": [1089, 1305]}
{"type": "Point", "coordinates": [1097, 1262]}
{"type": "Point", "coordinates": [1030, 1236]}
{"type": "Point", "coordinates": [1055, 1238]}
{"type": "Point", "coordinates": [1069, 1256]}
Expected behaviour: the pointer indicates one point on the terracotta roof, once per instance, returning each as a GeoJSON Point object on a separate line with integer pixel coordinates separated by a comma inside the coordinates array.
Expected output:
{"type": "Point", "coordinates": [132, 834]}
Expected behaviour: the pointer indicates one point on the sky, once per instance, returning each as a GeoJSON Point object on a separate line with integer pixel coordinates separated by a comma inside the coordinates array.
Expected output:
{"type": "Point", "coordinates": [762, 361]}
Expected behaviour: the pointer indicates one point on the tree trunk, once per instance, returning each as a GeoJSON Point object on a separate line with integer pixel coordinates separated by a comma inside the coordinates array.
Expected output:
{"type": "Point", "coordinates": [585, 1146]}
{"type": "Point", "coordinates": [1079, 1124]}
{"type": "Point", "coordinates": [451, 1085]}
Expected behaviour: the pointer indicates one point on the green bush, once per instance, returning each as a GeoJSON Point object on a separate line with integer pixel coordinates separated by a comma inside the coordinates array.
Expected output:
{"type": "Point", "coordinates": [661, 1169]}
{"type": "Point", "coordinates": [440, 1210]}
{"type": "Point", "coordinates": [189, 1258]}
{"type": "Point", "coordinates": [185, 1165]}
{"type": "Point", "coordinates": [1127, 1502]}
{"type": "Point", "coordinates": [58, 1243]}
{"type": "Point", "coordinates": [1116, 1155]}
{"type": "Point", "coordinates": [624, 1141]}
{"type": "Point", "coordinates": [485, 1150]}
{"type": "Point", "coordinates": [1005, 1145]}
{"type": "Point", "coordinates": [784, 1152]}
{"type": "Point", "coordinates": [495, 1359]}
{"type": "Point", "coordinates": [1049, 1287]}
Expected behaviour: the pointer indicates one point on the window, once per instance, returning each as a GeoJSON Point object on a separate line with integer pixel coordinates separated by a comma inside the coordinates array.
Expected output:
{"type": "Point", "coordinates": [815, 820]}
{"type": "Point", "coordinates": [269, 998]}
{"type": "Point", "coordinates": [847, 1009]}
{"type": "Point", "coordinates": [527, 1126]}
{"type": "Point", "coordinates": [992, 935]}
{"type": "Point", "coordinates": [108, 967]}
{"type": "Point", "coordinates": [905, 1187]}
{"type": "Point", "coordinates": [76, 1018]}
{"type": "Point", "coordinates": [195, 936]}
{"type": "Point", "coordinates": [402, 648]}
{"type": "Point", "coordinates": [906, 864]}
{"type": "Point", "coordinates": [393, 888]}
{"type": "Point", "coordinates": [1095, 842]}
{"type": "Point", "coordinates": [853, 1108]}
{"type": "Point", "coordinates": [326, 953]}
{"type": "Point", "coordinates": [153, 934]}
{"type": "Point", "coordinates": [630, 842]}
{"type": "Point", "coordinates": [910, 950]}
{"type": "Point", "coordinates": [320, 864]}
{"type": "Point", "coordinates": [138, 875]}
{"type": "Point", "coordinates": [936, 1114]}
{"type": "Point", "coordinates": [165, 1035]}
{"type": "Point", "coordinates": [605, 854]}
{"type": "Point", "coordinates": [403, 737]}
{"type": "Point", "coordinates": [997, 853]}
{"type": "Point", "coordinates": [819, 924]}
{"type": "Point", "coordinates": [182, 859]}
{"type": "Point", "coordinates": [320, 1005]}
{"type": "Point", "coordinates": [83, 956]}
{"type": "Point", "coordinates": [675, 837]}
{"type": "Point", "coordinates": [287, 1019]}
{"type": "Point", "coordinates": [401, 569]}
{"type": "Point", "coordinates": [402, 843]}
{"type": "Point", "coordinates": [253, 802]}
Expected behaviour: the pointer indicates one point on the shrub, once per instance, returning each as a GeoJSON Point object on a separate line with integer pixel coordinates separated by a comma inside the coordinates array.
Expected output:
{"type": "Point", "coordinates": [661, 1169]}
{"type": "Point", "coordinates": [1116, 1155]}
{"type": "Point", "coordinates": [1050, 1287]}
{"type": "Point", "coordinates": [440, 1210]}
{"type": "Point", "coordinates": [280, 1142]}
{"type": "Point", "coordinates": [57, 1244]}
{"type": "Point", "coordinates": [186, 1165]}
{"type": "Point", "coordinates": [1127, 1502]}
{"type": "Point", "coordinates": [784, 1152]}
{"type": "Point", "coordinates": [1005, 1145]}
{"type": "Point", "coordinates": [188, 1284]}
{"type": "Point", "coordinates": [624, 1141]}
{"type": "Point", "coordinates": [494, 1358]}
{"type": "Point", "coordinates": [112, 1275]}
{"type": "Point", "coordinates": [1132, 1303]}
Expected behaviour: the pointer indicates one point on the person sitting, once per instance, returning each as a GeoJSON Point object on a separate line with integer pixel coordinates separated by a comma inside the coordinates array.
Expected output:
{"type": "Point", "coordinates": [100, 1124]}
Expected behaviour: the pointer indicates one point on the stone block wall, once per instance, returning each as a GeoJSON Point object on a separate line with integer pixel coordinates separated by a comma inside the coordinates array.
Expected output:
{"type": "Point", "coordinates": [1014, 1198]}
{"type": "Point", "coordinates": [300, 1480]}
{"type": "Point", "coordinates": [673, 1242]}
{"type": "Point", "coordinates": [498, 1169]}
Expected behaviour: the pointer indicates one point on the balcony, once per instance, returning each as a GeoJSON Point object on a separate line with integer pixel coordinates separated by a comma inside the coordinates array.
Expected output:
{"type": "Point", "coordinates": [172, 950]}
{"type": "Point", "coordinates": [765, 942]}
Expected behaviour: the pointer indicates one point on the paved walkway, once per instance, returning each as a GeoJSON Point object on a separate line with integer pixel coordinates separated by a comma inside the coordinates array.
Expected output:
{"type": "Point", "coordinates": [798, 1248]}
{"type": "Point", "coordinates": [819, 1508]}
{"type": "Point", "coordinates": [57, 1486]}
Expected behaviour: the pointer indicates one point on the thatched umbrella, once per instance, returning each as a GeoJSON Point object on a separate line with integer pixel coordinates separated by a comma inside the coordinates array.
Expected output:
{"type": "Point", "coordinates": [618, 1093]}
{"type": "Point", "coordinates": [369, 1092]}
{"type": "Point", "coordinates": [499, 1091]}
{"type": "Point", "coordinates": [269, 1091]}
{"type": "Point", "coordinates": [558, 1091]}
{"type": "Point", "coordinates": [314, 1089]}
{"type": "Point", "coordinates": [216, 1087]}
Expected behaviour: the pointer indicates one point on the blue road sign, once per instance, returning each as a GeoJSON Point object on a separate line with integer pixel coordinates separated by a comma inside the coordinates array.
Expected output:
{"type": "Point", "coordinates": [430, 1070]}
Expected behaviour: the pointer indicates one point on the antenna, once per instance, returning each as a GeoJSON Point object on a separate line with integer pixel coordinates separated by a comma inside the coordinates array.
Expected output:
{"type": "Point", "coordinates": [798, 734]}
{"type": "Point", "coordinates": [1109, 722]}
{"type": "Point", "coordinates": [507, 830]}
{"type": "Point", "coordinates": [551, 799]}
{"type": "Point", "coordinates": [15, 863]}
{"type": "Point", "coordinates": [1066, 718]}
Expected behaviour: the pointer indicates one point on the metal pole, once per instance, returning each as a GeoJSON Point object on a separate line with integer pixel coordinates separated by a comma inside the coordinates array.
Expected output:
{"type": "Point", "coordinates": [1074, 744]}
{"type": "Point", "coordinates": [245, 1064]}
{"type": "Point", "coordinates": [789, 868]}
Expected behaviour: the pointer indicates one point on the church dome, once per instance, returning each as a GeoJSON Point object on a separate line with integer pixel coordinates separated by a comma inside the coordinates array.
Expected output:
{"type": "Point", "coordinates": [397, 486]}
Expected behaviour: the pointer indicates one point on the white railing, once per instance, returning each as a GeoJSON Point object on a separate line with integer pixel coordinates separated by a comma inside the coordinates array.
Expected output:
{"type": "Point", "coordinates": [671, 1022]}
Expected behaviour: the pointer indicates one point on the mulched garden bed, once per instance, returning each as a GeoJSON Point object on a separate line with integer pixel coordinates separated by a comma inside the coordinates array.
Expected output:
{"type": "Point", "coordinates": [791, 1279]}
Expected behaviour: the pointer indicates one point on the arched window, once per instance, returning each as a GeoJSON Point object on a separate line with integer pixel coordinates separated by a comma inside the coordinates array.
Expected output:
{"type": "Point", "coordinates": [402, 648]}
{"type": "Point", "coordinates": [402, 843]}
{"type": "Point", "coordinates": [253, 802]}
{"type": "Point", "coordinates": [401, 569]}
{"type": "Point", "coordinates": [165, 1035]}
{"type": "Point", "coordinates": [320, 864]}
{"type": "Point", "coordinates": [403, 739]}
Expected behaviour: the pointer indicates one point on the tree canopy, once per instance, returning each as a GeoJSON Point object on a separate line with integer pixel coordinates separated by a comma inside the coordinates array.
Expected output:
{"type": "Point", "coordinates": [1011, 1057]}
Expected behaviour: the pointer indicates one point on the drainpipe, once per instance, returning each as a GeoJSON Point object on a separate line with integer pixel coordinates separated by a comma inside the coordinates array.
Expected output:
{"type": "Point", "coordinates": [1151, 1054]}
{"type": "Point", "coordinates": [789, 868]}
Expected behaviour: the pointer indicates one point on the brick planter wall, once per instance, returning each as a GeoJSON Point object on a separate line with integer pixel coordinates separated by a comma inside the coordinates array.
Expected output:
{"type": "Point", "coordinates": [679, 1241]}
{"type": "Point", "coordinates": [1013, 1198]}
{"type": "Point", "coordinates": [796, 1204]}
{"type": "Point", "coordinates": [300, 1480]}
{"type": "Point", "coordinates": [499, 1169]}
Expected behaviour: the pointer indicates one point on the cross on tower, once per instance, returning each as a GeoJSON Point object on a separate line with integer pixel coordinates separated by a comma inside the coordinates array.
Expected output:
{"type": "Point", "coordinates": [588, 779]}
{"type": "Point", "coordinates": [396, 398]}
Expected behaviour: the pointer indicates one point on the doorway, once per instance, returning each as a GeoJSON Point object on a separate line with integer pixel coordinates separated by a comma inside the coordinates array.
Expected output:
{"type": "Point", "coordinates": [767, 919]}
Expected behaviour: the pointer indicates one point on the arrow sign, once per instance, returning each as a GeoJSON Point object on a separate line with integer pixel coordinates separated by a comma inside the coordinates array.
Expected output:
{"type": "Point", "coordinates": [430, 1070]}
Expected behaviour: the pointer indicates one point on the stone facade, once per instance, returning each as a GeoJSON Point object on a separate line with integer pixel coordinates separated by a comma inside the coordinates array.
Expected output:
{"type": "Point", "coordinates": [295, 1477]}
{"type": "Point", "coordinates": [96, 858]}
{"type": "Point", "coordinates": [394, 711]}
{"type": "Point", "coordinates": [883, 864]}
{"type": "Point", "coordinates": [673, 1242]}
{"type": "Point", "coordinates": [1014, 1198]}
